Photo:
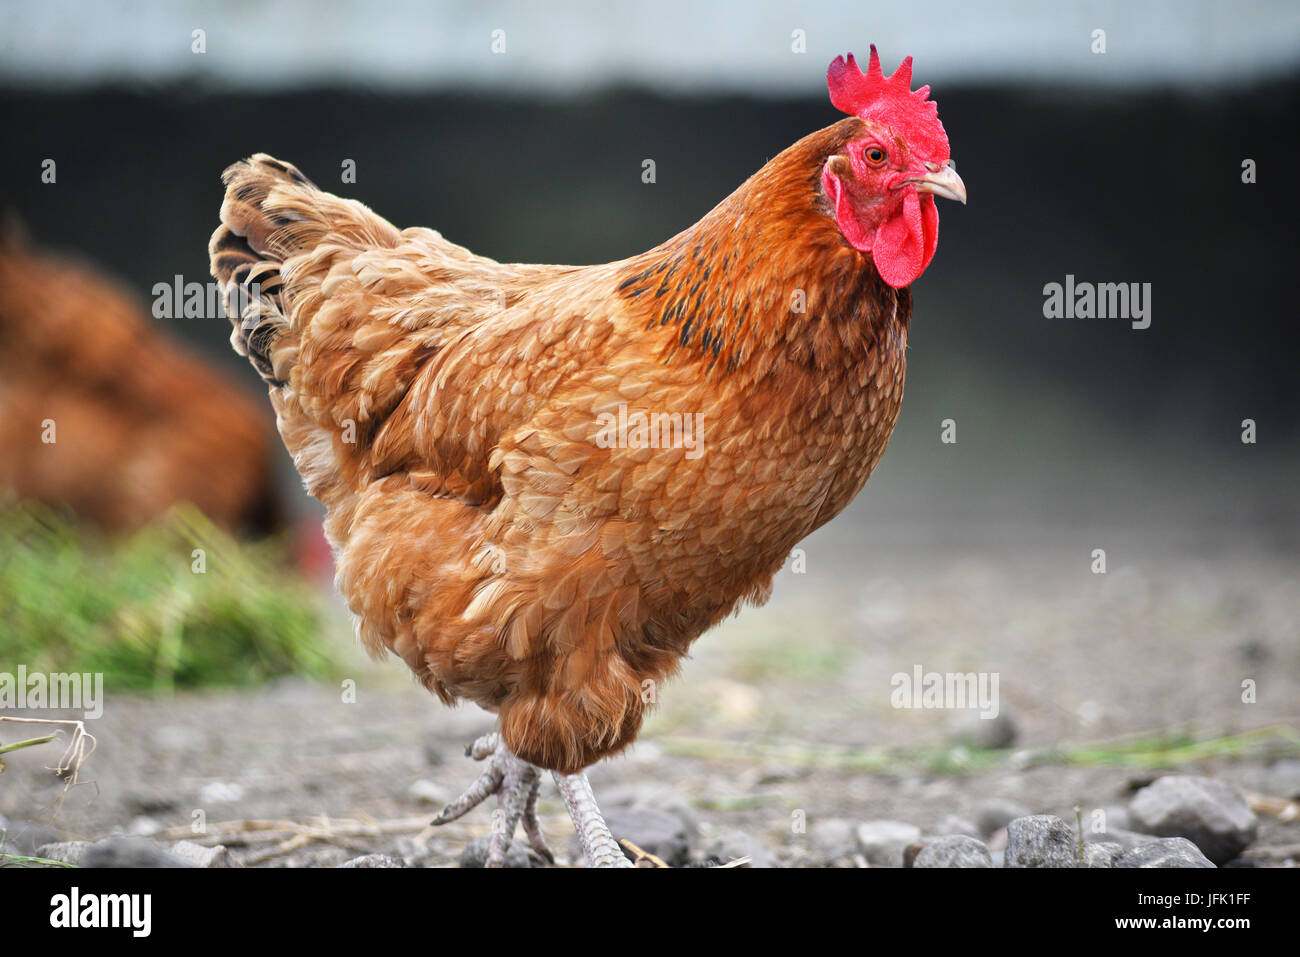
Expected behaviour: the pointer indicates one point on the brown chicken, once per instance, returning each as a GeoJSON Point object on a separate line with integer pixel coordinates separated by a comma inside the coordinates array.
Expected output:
{"type": "Point", "coordinates": [545, 482]}
{"type": "Point", "coordinates": [84, 424]}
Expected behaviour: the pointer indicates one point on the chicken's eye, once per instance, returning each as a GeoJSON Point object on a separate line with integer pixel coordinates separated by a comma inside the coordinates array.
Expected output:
{"type": "Point", "coordinates": [874, 155]}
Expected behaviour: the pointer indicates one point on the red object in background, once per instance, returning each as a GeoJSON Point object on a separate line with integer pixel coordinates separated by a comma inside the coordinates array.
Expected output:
{"type": "Point", "coordinates": [312, 553]}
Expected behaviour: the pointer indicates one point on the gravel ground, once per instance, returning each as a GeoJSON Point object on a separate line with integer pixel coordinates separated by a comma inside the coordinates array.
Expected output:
{"type": "Point", "coordinates": [768, 745]}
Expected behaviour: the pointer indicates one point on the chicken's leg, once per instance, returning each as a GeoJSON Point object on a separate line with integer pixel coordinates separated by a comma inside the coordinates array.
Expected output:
{"type": "Point", "coordinates": [597, 842]}
{"type": "Point", "coordinates": [516, 784]}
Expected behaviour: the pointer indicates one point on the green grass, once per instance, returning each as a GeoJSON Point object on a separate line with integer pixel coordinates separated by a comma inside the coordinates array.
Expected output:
{"type": "Point", "coordinates": [766, 658]}
{"type": "Point", "coordinates": [1146, 752]}
{"type": "Point", "coordinates": [20, 860]}
{"type": "Point", "coordinates": [136, 611]}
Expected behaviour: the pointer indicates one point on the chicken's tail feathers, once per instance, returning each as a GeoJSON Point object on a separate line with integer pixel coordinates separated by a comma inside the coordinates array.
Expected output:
{"type": "Point", "coordinates": [272, 214]}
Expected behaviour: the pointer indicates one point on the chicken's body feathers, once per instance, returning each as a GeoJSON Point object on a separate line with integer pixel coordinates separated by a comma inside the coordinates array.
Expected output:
{"type": "Point", "coordinates": [448, 410]}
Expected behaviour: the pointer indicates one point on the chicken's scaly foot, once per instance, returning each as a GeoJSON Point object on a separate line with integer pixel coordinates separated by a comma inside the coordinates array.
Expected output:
{"type": "Point", "coordinates": [515, 783]}
{"type": "Point", "coordinates": [598, 843]}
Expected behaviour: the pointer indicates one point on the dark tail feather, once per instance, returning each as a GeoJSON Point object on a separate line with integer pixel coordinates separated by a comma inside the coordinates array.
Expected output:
{"type": "Point", "coordinates": [246, 252]}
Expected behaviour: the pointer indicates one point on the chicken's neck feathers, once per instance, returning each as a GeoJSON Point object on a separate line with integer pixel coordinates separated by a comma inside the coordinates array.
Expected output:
{"type": "Point", "coordinates": [765, 279]}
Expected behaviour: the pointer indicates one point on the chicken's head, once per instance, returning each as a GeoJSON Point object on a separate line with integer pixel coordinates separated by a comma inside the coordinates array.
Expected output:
{"type": "Point", "coordinates": [881, 185]}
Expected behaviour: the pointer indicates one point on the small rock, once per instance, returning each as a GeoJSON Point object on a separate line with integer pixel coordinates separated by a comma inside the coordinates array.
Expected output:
{"type": "Point", "coordinates": [732, 845]}
{"type": "Point", "coordinates": [1117, 835]}
{"type": "Point", "coordinates": [969, 730]}
{"type": "Point", "coordinates": [996, 813]}
{"type": "Point", "coordinates": [833, 837]}
{"type": "Point", "coordinates": [199, 855]}
{"type": "Point", "coordinates": [1165, 852]}
{"type": "Point", "coordinates": [150, 803]}
{"type": "Point", "coordinates": [519, 854]}
{"type": "Point", "coordinates": [1089, 713]}
{"type": "Point", "coordinates": [414, 853]}
{"type": "Point", "coordinates": [656, 797]}
{"type": "Point", "coordinates": [1284, 779]}
{"type": "Point", "coordinates": [1102, 854]}
{"type": "Point", "coordinates": [143, 827]}
{"type": "Point", "coordinates": [129, 852]}
{"type": "Point", "coordinates": [1041, 840]}
{"type": "Point", "coordinates": [221, 792]}
{"type": "Point", "coordinates": [1211, 814]}
{"type": "Point", "coordinates": [955, 850]}
{"type": "Point", "coordinates": [380, 860]}
{"type": "Point", "coordinates": [655, 831]}
{"type": "Point", "coordinates": [883, 842]}
{"type": "Point", "coordinates": [429, 792]}
{"type": "Point", "coordinates": [65, 852]}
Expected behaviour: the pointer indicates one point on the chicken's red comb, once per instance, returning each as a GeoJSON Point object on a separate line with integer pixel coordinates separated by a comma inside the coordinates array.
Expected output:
{"type": "Point", "coordinates": [872, 95]}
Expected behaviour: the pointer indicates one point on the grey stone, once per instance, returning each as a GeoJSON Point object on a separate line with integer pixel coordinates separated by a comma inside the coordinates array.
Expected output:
{"type": "Point", "coordinates": [1211, 814]}
{"type": "Point", "coordinates": [518, 855]}
{"type": "Point", "coordinates": [955, 850]}
{"type": "Point", "coordinates": [414, 853]}
{"type": "Point", "coordinates": [1041, 840]}
{"type": "Point", "coordinates": [221, 792]}
{"type": "Point", "coordinates": [150, 803]}
{"type": "Point", "coordinates": [656, 797]}
{"type": "Point", "coordinates": [969, 730]}
{"type": "Point", "coordinates": [996, 813]}
{"type": "Point", "coordinates": [199, 855]}
{"type": "Point", "coordinates": [1165, 852]}
{"type": "Point", "coordinates": [1283, 779]}
{"type": "Point", "coordinates": [833, 837]}
{"type": "Point", "coordinates": [129, 852]}
{"type": "Point", "coordinates": [1101, 854]}
{"type": "Point", "coordinates": [376, 860]}
{"type": "Point", "coordinates": [883, 842]}
{"type": "Point", "coordinates": [732, 845]}
{"type": "Point", "coordinates": [654, 830]}
{"type": "Point", "coordinates": [1117, 835]}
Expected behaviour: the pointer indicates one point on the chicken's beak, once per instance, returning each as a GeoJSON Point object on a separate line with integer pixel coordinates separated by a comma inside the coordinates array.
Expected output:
{"type": "Point", "coordinates": [942, 182]}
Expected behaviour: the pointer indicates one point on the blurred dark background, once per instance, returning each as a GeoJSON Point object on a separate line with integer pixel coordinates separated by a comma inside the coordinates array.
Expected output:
{"type": "Point", "coordinates": [1123, 167]}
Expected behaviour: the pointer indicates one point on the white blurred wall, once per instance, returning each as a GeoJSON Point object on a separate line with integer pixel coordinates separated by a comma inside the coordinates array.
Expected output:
{"type": "Point", "coordinates": [567, 46]}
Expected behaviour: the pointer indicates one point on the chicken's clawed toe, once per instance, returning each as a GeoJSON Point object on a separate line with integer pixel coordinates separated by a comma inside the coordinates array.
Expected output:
{"type": "Point", "coordinates": [516, 783]}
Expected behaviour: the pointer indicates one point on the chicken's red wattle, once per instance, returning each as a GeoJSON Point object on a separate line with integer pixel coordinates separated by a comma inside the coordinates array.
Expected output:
{"type": "Point", "coordinates": [905, 243]}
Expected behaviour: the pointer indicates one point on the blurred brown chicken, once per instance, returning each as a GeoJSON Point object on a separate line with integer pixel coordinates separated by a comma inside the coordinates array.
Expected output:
{"type": "Point", "coordinates": [138, 424]}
